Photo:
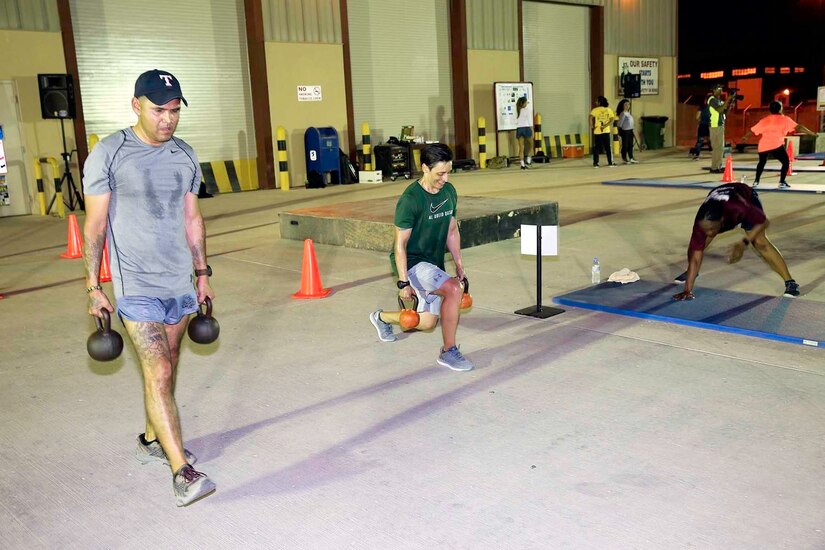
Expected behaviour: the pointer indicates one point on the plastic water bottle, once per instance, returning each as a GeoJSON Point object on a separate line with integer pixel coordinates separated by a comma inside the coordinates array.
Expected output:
{"type": "Point", "coordinates": [596, 272]}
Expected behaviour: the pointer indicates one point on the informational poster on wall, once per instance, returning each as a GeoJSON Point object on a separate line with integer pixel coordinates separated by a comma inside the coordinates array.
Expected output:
{"type": "Point", "coordinates": [506, 95]}
{"type": "Point", "coordinates": [3, 164]}
{"type": "Point", "coordinates": [646, 67]}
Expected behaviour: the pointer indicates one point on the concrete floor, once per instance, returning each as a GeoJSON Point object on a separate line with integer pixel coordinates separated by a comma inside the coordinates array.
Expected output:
{"type": "Point", "coordinates": [586, 430]}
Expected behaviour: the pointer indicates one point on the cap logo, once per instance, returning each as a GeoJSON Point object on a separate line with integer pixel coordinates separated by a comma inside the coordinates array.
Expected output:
{"type": "Point", "coordinates": [166, 78]}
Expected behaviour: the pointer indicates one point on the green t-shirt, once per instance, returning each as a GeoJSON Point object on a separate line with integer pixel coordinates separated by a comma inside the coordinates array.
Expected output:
{"type": "Point", "coordinates": [429, 218]}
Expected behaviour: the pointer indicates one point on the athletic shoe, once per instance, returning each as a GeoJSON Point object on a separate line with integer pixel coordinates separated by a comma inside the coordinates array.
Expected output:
{"type": "Point", "coordinates": [597, 166]}
{"type": "Point", "coordinates": [634, 161]}
{"type": "Point", "coordinates": [791, 289]}
{"type": "Point", "coordinates": [680, 278]}
{"type": "Point", "coordinates": [612, 165]}
{"type": "Point", "coordinates": [454, 360]}
{"type": "Point", "coordinates": [384, 329]}
{"type": "Point", "coordinates": [784, 185]}
{"type": "Point", "coordinates": [191, 485]}
{"type": "Point", "coordinates": [147, 453]}
{"type": "Point", "coordinates": [755, 185]}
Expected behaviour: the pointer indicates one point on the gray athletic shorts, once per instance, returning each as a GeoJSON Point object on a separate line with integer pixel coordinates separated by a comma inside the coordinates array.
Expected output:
{"type": "Point", "coordinates": [426, 278]}
{"type": "Point", "coordinates": [146, 309]}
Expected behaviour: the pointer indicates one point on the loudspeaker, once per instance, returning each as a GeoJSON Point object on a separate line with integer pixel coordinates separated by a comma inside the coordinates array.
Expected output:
{"type": "Point", "coordinates": [632, 85]}
{"type": "Point", "coordinates": [56, 95]}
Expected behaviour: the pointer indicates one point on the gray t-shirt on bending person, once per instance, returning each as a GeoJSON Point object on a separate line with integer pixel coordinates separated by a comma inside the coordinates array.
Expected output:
{"type": "Point", "coordinates": [148, 251]}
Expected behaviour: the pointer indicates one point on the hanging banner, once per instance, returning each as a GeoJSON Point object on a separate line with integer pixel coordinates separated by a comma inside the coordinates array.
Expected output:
{"type": "Point", "coordinates": [646, 67]}
{"type": "Point", "coordinates": [3, 167]}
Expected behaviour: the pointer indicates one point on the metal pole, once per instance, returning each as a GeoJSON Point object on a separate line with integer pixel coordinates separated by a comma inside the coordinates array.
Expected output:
{"type": "Point", "coordinates": [538, 267]}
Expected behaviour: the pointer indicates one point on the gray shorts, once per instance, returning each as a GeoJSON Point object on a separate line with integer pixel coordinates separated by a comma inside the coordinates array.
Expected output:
{"type": "Point", "coordinates": [146, 309]}
{"type": "Point", "coordinates": [426, 278]}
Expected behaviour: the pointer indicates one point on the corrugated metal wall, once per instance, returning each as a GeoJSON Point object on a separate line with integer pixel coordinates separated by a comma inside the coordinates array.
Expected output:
{"type": "Point", "coordinates": [492, 24]}
{"type": "Point", "coordinates": [640, 27]}
{"type": "Point", "coordinates": [317, 21]}
{"type": "Point", "coordinates": [29, 15]}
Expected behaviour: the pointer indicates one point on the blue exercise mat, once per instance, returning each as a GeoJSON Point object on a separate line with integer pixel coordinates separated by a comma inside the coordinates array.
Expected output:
{"type": "Point", "coordinates": [793, 320]}
{"type": "Point", "coordinates": [811, 156]}
{"type": "Point", "coordinates": [769, 187]}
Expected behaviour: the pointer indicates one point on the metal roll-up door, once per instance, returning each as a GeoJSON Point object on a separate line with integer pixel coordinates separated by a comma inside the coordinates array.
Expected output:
{"type": "Point", "coordinates": [401, 72]}
{"type": "Point", "coordinates": [202, 43]}
{"type": "Point", "coordinates": [557, 61]}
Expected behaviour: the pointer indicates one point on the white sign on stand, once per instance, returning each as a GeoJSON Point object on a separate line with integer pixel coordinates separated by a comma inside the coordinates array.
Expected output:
{"type": "Point", "coordinates": [309, 93]}
{"type": "Point", "coordinates": [549, 240]}
{"type": "Point", "coordinates": [820, 98]}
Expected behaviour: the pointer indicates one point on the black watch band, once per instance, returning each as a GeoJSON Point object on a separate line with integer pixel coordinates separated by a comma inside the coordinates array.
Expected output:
{"type": "Point", "coordinates": [202, 272]}
{"type": "Point", "coordinates": [402, 284]}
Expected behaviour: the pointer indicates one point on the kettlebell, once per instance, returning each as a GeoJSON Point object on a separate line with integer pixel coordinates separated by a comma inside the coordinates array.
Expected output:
{"type": "Point", "coordinates": [204, 329]}
{"type": "Point", "coordinates": [104, 344]}
{"type": "Point", "coordinates": [408, 318]}
{"type": "Point", "coordinates": [466, 299]}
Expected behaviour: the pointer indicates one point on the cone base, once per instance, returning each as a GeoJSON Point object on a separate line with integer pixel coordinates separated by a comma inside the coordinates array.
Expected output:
{"type": "Point", "coordinates": [320, 294]}
{"type": "Point", "coordinates": [71, 256]}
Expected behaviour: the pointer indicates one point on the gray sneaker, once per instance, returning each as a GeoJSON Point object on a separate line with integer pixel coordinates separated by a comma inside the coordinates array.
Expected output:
{"type": "Point", "coordinates": [384, 329]}
{"type": "Point", "coordinates": [153, 452]}
{"type": "Point", "coordinates": [784, 185]}
{"type": "Point", "coordinates": [454, 360]}
{"type": "Point", "coordinates": [191, 485]}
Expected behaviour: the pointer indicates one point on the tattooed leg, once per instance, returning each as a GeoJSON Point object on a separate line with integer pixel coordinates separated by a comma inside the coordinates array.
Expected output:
{"type": "Point", "coordinates": [174, 334]}
{"type": "Point", "coordinates": [152, 346]}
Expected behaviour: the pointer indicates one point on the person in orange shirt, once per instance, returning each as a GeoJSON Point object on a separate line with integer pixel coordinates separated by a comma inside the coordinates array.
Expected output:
{"type": "Point", "coordinates": [772, 131]}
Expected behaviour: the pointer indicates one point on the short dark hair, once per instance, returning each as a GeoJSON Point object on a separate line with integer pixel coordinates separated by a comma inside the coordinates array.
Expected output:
{"type": "Point", "coordinates": [775, 107]}
{"type": "Point", "coordinates": [602, 101]}
{"type": "Point", "coordinates": [434, 153]}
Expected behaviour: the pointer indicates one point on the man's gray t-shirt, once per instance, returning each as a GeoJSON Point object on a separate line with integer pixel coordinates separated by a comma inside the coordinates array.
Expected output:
{"type": "Point", "coordinates": [148, 251]}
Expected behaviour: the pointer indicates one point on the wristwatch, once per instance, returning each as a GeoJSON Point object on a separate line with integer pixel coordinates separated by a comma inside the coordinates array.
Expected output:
{"type": "Point", "coordinates": [202, 272]}
{"type": "Point", "coordinates": [402, 284]}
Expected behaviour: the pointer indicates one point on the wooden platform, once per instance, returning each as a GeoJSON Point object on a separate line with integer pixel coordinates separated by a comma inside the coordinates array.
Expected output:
{"type": "Point", "coordinates": [368, 224]}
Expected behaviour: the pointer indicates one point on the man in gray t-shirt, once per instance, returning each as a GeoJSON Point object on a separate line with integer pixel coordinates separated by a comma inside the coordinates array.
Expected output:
{"type": "Point", "coordinates": [141, 186]}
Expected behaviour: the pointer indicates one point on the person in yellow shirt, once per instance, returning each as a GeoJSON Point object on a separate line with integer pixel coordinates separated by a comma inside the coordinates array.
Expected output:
{"type": "Point", "coordinates": [601, 121]}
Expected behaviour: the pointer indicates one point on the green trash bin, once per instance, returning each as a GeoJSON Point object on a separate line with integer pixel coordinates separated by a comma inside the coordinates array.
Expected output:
{"type": "Point", "coordinates": [653, 129]}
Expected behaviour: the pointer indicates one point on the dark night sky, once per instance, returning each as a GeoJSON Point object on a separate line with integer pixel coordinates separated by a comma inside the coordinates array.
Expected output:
{"type": "Point", "coordinates": [746, 33]}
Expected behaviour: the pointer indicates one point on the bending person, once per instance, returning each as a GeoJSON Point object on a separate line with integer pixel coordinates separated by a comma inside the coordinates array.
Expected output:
{"type": "Point", "coordinates": [725, 208]}
{"type": "Point", "coordinates": [425, 228]}
{"type": "Point", "coordinates": [772, 131]}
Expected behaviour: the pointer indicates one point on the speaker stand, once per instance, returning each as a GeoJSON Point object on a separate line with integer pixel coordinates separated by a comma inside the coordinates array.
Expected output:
{"type": "Point", "coordinates": [75, 198]}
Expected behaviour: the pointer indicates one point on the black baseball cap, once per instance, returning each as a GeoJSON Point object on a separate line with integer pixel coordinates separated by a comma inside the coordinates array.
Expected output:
{"type": "Point", "coordinates": [160, 87]}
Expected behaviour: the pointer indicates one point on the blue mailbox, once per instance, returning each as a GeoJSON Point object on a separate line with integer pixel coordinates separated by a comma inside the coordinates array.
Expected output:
{"type": "Point", "coordinates": [322, 156]}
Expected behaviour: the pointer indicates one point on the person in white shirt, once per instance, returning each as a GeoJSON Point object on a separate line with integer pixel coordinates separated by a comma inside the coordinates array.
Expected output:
{"type": "Point", "coordinates": [626, 131]}
{"type": "Point", "coordinates": [524, 132]}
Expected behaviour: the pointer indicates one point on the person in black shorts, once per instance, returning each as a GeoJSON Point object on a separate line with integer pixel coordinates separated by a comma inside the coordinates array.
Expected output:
{"type": "Point", "coordinates": [726, 207]}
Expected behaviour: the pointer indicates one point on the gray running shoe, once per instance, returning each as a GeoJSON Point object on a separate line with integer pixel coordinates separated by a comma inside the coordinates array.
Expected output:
{"type": "Point", "coordinates": [791, 289]}
{"type": "Point", "coordinates": [191, 485]}
{"type": "Point", "coordinates": [454, 360]}
{"type": "Point", "coordinates": [755, 185]}
{"type": "Point", "coordinates": [680, 278]}
{"type": "Point", "coordinates": [384, 329]}
{"type": "Point", "coordinates": [153, 452]}
{"type": "Point", "coordinates": [784, 185]}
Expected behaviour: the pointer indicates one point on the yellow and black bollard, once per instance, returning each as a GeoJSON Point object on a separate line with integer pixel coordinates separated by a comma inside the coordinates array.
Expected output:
{"type": "Point", "coordinates": [617, 144]}
{"type": "Point", "coordinates": [366, 149]}
{"type": "Point", "coordinates": [58, 187]}
{"type": "Point", "coordinates": [283, 161]}
{"type": "Point", "coordinates": [41, 193]}
{"type": "Point", "coordinates": [538, 149]}
{"type": "Point", "coordinates": [482, 143]}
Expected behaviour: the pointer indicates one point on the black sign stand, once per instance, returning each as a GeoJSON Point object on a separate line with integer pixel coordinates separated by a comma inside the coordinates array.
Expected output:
{"type": "Point", "coordinates": [538, 311]}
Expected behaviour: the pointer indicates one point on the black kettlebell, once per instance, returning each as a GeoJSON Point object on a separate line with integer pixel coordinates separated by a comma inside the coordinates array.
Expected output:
{"type": "Point", "coordinates": [204, 329]}
{"type": "Point", "coordinates": [104, 344]}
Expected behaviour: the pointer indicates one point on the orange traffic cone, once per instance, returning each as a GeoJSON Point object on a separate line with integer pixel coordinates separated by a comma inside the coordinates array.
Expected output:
{"type": "Point", "coordinates": [105, 273]}
{"type": "Point", "coordinates": [311, 286]}
{"type": "Point", "coordinates": [727, 177]}
{"type": "Point", "coordinates": [75, 245]}
{"type": "Point", "coordinates": [790, 158]}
